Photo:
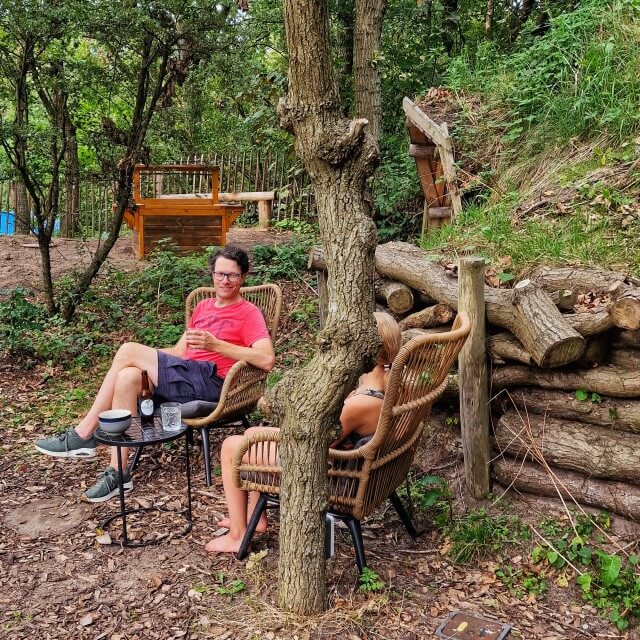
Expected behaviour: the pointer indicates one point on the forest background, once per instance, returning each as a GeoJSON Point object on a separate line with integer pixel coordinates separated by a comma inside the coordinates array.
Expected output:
{"type": "Point", "coordinates": [542, 99]}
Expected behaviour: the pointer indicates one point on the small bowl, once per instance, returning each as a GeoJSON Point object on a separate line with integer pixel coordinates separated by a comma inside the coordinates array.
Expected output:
{"type": "Point", "coordinates": [114, 421]}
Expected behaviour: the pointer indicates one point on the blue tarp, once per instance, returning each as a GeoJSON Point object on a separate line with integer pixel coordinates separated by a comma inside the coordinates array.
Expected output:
{"type": "Point", "coordinates": [8, 224]}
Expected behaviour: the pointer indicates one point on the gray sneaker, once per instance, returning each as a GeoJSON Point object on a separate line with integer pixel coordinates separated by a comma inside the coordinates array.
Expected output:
{"type": "Point", "coordinates": [107, 486]}
{"type": "Point", "coordinates": [67, 445]}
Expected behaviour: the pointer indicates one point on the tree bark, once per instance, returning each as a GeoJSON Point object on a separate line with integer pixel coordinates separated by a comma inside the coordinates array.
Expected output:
{"type": "Point", "coordinates": [605, 380]}
{"type": "Point", "coordinates": [434, 316]}
{"type": "Point", "coordinates": [367, 35]}
{"type": "Point", "coordinates": [578, 279]}
{"type": "Point", "coordinates": [628, 339]}
{"type": "Point", "coordinates": [397, 296]}
{"type": "Point", "coordinates": [339, 157]}
{"type": "Point", "coordinates": [504, 346]}
{"type": "Point", "coordinates": [627, 359]}
{"type": "Point", "coordinates": [596, 451]}
{"type": "Point", "coordinates": [616, 497]}
{"type": "Point", "coordinates": [622, 415]}
{"type": "Point", "coordinates": [590, 323]}
{"type": "Point", "coordinates": [527, 312]}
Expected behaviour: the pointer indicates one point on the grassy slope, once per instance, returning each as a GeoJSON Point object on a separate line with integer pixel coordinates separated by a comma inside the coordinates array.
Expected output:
{"type": "Point", "coordinates": [557, 129]}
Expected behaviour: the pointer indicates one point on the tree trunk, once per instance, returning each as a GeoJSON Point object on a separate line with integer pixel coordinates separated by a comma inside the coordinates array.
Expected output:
{"type": "Point", "coordinates": [397, 296]}
{"type": "Point", "coordinates": [527, 312]}
{"type": "Point", "coordinates": [596, 451]}
{"type": "Point", "coordinates": [628, 359]}
{"type": "Point", "coordinates": [488, 20]}
{"type": "Point", "coordinates": [23, 210]}
{"type": "Point", "coordinates": [70, 221]}
{"type": "Point", "coordinates": [339, 157]}
{"type": "Point", "coordinates": [23, 213]}
{"type": "Point", "coordinates": [366, 76]}
{"type": "Point", "coordinates": [606, 381]}
{"type": "Point", "coordinates": [623, 415]}
{"type": "Point", "coordinates": [616, 497]}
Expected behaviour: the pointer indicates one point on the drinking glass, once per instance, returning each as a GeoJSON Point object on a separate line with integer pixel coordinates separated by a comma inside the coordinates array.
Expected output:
{"type": "Point", "coordinates": [171, 416]}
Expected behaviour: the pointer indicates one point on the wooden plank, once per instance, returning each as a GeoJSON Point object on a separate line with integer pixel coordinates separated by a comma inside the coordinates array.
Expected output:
{"type": "Point", "coordinates": [427, 181]}
{"type": "Point", "coordinates": [424, 123]}
{"type": "Point", "coordinates": [249, 196]}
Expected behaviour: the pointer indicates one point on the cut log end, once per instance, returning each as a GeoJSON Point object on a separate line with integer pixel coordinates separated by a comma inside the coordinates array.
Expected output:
{"type": "Point", "coordinates": [562, 352]}
{"type": "Point", "coordinates": [625, 313]}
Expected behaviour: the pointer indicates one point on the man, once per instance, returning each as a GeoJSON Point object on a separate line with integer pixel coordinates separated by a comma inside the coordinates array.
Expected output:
{"type": "Point", "coordinates": [220, 332]}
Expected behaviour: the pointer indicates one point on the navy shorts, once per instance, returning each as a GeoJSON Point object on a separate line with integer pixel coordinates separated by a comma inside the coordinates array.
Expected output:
{"type": "Point", "coordinates": [182, 380]}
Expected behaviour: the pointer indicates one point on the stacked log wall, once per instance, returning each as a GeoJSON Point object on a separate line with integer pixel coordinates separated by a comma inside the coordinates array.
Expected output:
{"type": "Point", "coordinates": [563, 353]}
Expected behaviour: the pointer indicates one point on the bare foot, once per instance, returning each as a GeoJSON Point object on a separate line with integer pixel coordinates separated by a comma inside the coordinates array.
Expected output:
{"type": "Point", "coordinates": [225, 523]}
{"type": "Point", "coordinates": [223, 544]}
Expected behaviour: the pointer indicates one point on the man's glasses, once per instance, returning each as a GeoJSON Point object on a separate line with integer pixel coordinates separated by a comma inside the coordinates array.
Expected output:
{"type": "Point", "coordinates": [231, 277]}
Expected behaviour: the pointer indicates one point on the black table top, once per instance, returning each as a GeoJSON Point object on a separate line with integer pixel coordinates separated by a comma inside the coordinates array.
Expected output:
{"type": "Point", "coordinates": [137, 435]}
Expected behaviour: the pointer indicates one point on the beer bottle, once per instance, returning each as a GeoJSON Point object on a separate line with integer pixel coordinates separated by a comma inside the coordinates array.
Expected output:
{"type": "Point", "coordinates": [145, 401]}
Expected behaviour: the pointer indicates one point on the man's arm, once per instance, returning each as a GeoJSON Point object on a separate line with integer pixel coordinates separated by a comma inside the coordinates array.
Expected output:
{"type": "Point", "coordinates": [179, 349]}
{"type": "Point", "coordinates": [260, 354]}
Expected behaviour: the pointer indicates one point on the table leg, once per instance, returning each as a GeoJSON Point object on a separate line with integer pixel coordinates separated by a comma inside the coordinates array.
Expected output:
{"type": "Point", "coordinates": [187, 449]}
{"type": "Point", "coordinates": [122, 507]}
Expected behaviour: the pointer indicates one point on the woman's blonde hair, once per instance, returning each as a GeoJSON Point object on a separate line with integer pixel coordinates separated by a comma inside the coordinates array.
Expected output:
{"type": "Point", "coordinates": [391, 336]}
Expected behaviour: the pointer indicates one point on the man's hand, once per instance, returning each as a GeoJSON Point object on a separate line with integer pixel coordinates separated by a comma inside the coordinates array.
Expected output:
{"type": "Point", "coordinates": [197, 339]}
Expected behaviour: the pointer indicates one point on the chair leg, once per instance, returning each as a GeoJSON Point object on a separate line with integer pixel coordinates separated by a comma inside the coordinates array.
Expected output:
{"type": "Point", "coordinates": [135, 460]}
{"type": "Point", "coordinates": [404, 516]}
{"type": "Point", "coordinates": [261, 505]}
{"type": "Point", "coordinates": [205, 452]}
{"type": "Point", "coordinates": [356, 535]}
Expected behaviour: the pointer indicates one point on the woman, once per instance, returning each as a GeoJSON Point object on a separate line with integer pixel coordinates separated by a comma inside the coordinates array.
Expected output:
{"type": "Point", "coordinates": [359, 419]}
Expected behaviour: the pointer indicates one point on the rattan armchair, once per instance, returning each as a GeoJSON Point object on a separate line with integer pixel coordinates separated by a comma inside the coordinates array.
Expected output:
{"type": "Point", "coordinates": [361, 479]}
{"type": "Point", "coordinates": [244, 384]}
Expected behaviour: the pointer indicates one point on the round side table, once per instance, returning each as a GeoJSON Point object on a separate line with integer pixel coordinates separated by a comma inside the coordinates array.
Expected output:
{"type": "Point", "coordinates": [138, 435]}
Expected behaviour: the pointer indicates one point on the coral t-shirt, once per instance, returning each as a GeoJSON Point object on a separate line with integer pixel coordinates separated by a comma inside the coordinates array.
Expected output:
{"type": "Point", "coordinates": [240, 323]}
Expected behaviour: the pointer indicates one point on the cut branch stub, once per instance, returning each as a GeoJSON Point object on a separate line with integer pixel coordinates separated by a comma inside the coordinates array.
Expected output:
{"type": "Point", "coordinates": [528, 312]}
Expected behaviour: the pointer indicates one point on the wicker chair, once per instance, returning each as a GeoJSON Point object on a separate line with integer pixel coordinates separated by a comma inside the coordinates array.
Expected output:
{"type": "Point", "coordinates": [361, 479]}
{"type": "Point", "coordinates": [243, 385]}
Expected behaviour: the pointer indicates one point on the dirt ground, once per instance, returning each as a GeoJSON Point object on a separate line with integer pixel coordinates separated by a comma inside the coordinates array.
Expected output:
{"type": "Point", "coordinates": [60, 579]}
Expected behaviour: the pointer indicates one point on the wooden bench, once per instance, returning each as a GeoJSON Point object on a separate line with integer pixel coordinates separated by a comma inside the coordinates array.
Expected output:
{"type": "Point", "coordinates": [166, 205]}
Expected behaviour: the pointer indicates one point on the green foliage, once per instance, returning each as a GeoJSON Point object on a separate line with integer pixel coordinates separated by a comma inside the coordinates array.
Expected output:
{"type": "Point", "coordinates": [280, 261]}
{"type": "Point", "coordinates": [583, 395]}
{"type": "Point", "coordinates": [491, 231]}
{"type": "Point", "coordinates": [522, 582]}
{"type": "Point", "coordinates": [231, 588]}
{"type": "Point", "coordinates": [479, 534]}
{"type": "Point", "coordinates": [369, 581]}
{"type": "Point", "coordinates": [578, 79]}
{"type": "Point", "coordinates": [430, 495]}
{"type": "Point", "coordinates": [608, 581]}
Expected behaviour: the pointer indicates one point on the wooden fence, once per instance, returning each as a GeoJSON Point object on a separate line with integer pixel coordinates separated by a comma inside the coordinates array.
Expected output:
{"type": "Point", "coordinates": [239, 171]}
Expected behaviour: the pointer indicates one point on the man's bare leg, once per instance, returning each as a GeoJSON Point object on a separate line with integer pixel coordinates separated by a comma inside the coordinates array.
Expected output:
{"type": "Point", "coordinates": [129, 355]}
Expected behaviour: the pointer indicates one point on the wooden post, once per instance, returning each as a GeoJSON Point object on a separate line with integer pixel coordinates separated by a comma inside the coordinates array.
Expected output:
{"type": "Point", "coordinates": [474, 407]}
{"type": "Point", "coordinates": [264, 213]}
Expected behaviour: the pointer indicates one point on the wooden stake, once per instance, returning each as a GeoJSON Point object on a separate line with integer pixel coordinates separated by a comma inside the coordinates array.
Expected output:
{"type": "Point", "coordinates": [474, 408]}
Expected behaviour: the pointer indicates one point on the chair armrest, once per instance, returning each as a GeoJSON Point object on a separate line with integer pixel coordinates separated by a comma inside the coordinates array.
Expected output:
{"type": "Point", "coordinates": [256, 462]}
{"type": "Point", "coordinates": [242, 388]}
